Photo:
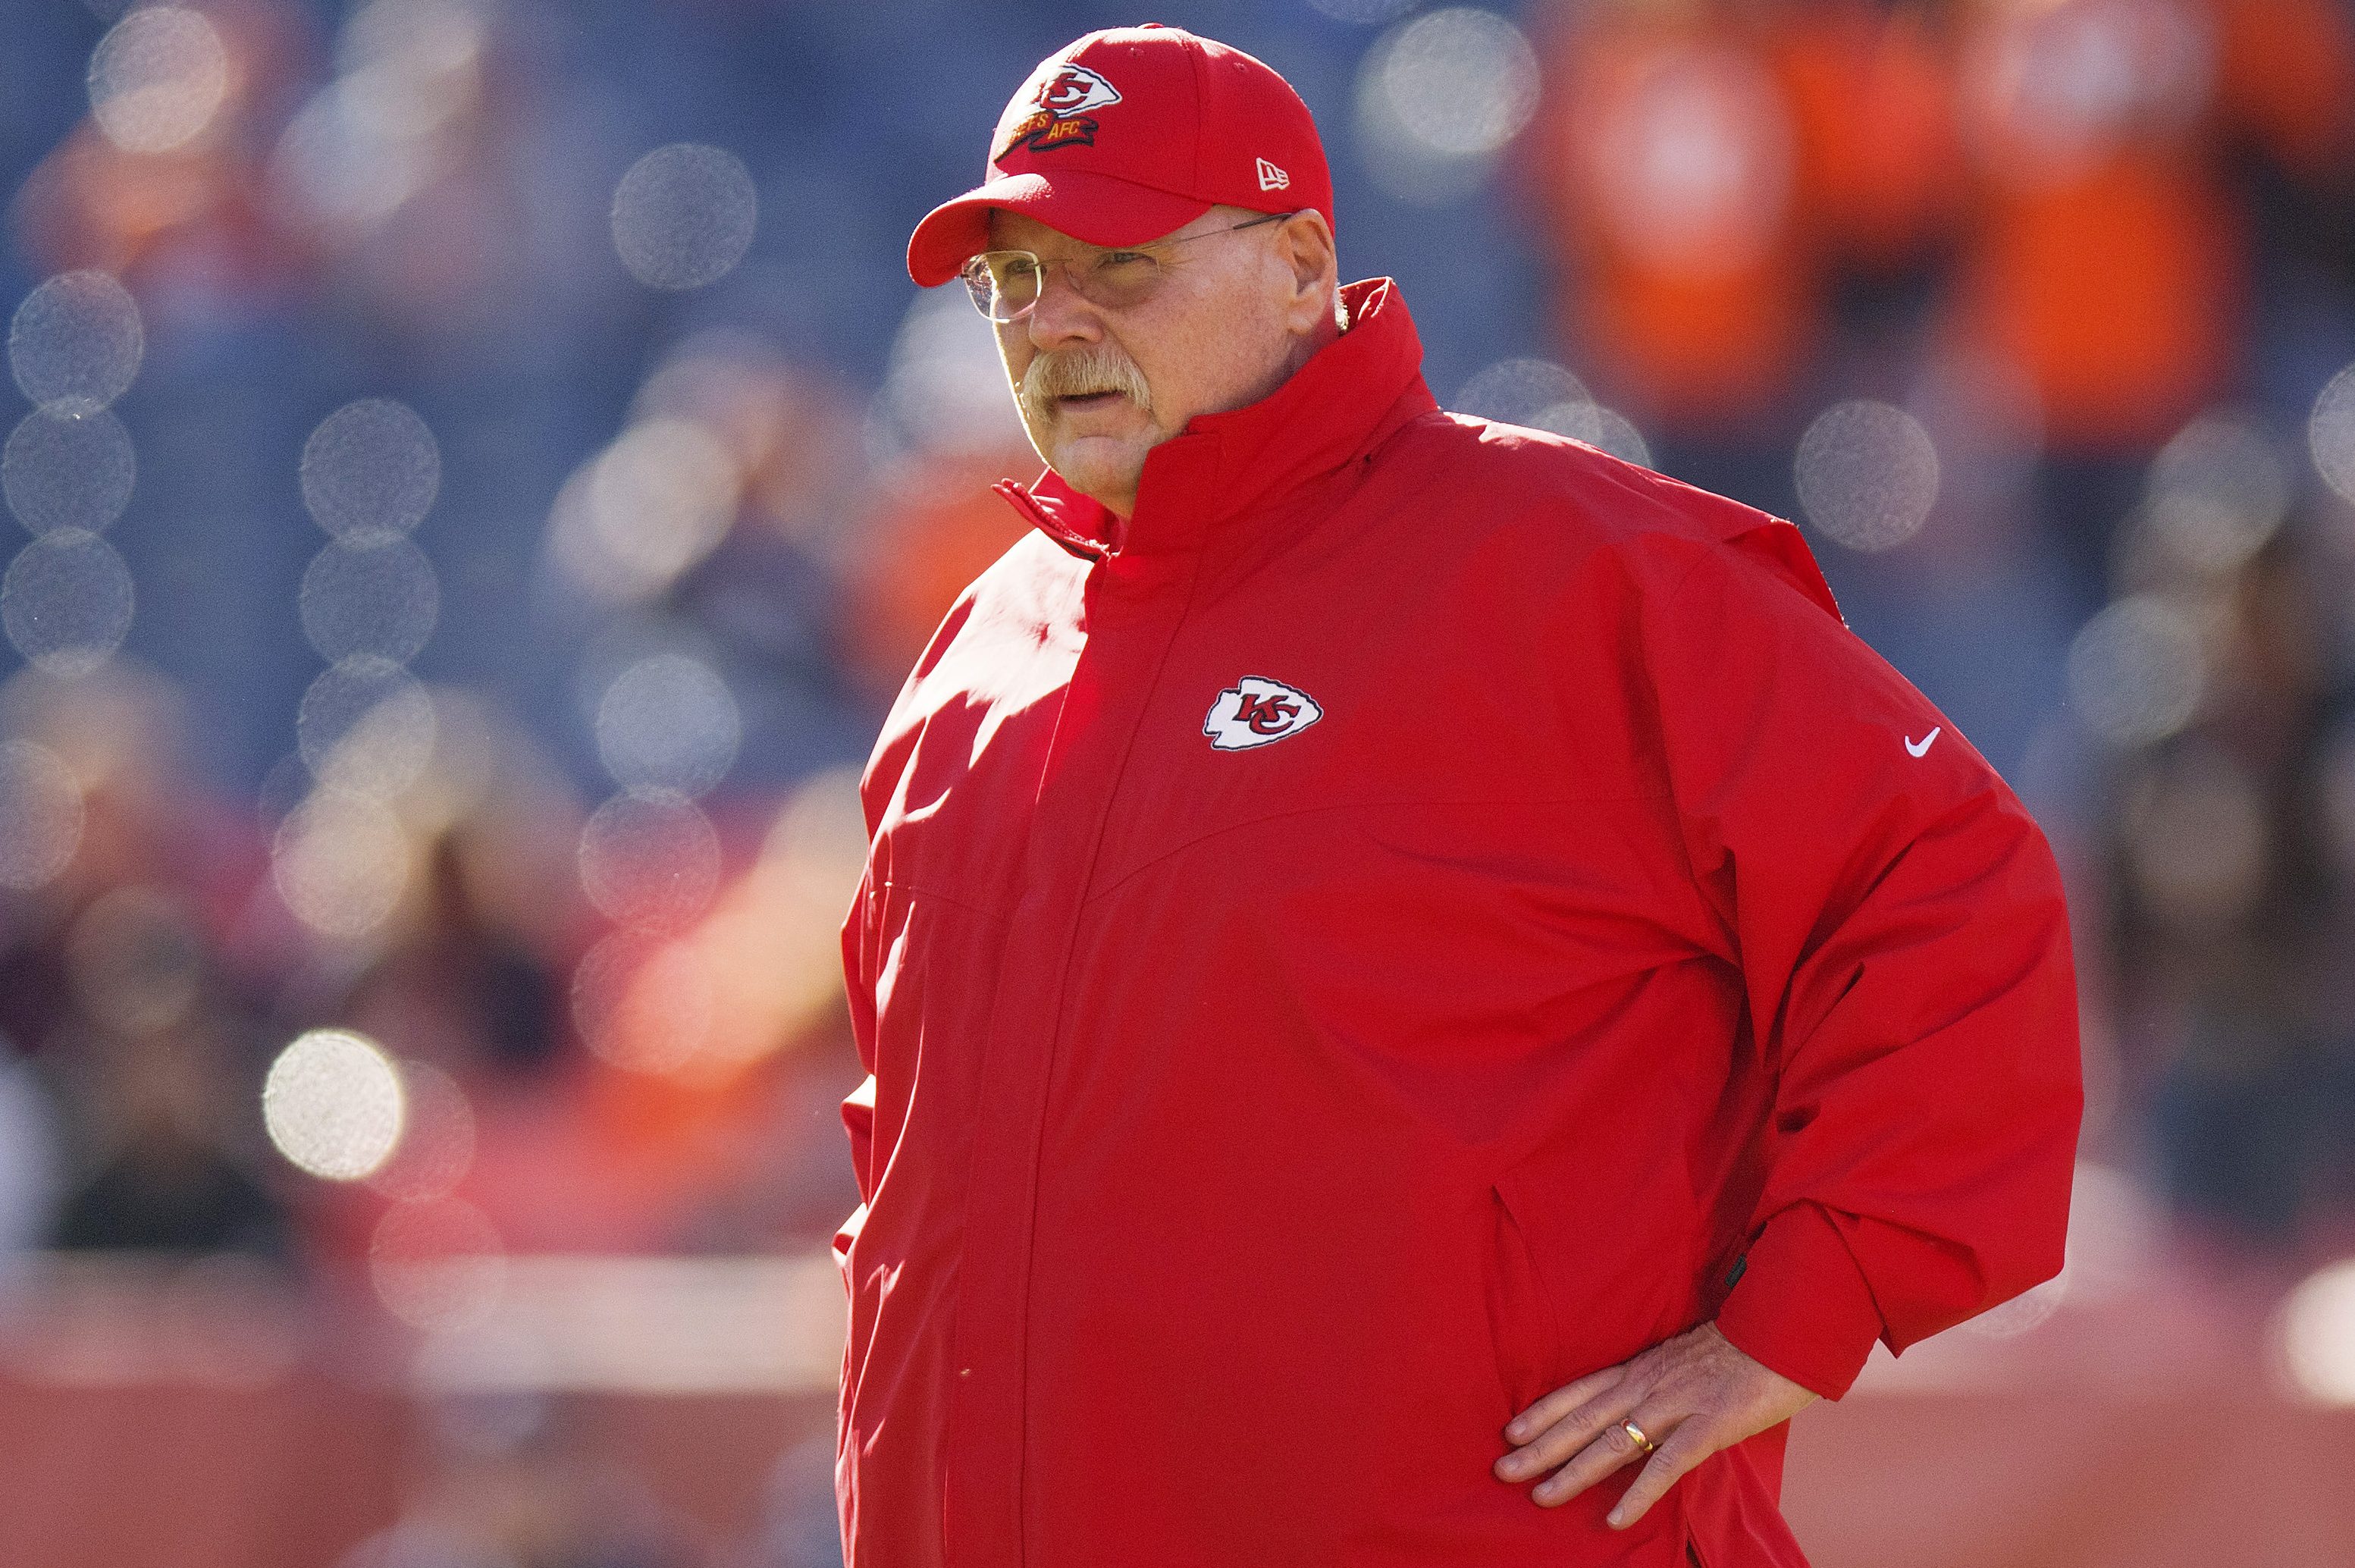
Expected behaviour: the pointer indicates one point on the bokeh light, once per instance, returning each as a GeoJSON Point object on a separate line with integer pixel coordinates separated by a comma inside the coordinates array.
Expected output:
{"type": "Point", "coordinates": [750, 977]}
{"type": "Point", "coordinates": [1693, 161]}
{"type": "Point", "coordinates": [1438, 97]}
{"type": "Point", "coordinates": [2330, 434]}
{"type": "Point", "coordinates": [944, 386]}
{"type": "Point", "coordinates": [68, 470]}
{"type": "Point", "coordinates": [75, 342]}
{"type": "Point", "coordinates": [341, 862]}
{"type": "Point", "coordinates": [410, 70]}
{"type": "Point", "coordinates": [472, 745]}
{"type": "Point", "coordinates": [41, 814]}
{"type": "Point", "coordinates": [649, 859]}
{"type": "Point", "coordinates": [2136, 671]}
{"type": "Point", "coordinates": [371, 466]}
{"type": "Point", "coordinates": [107, 724]}
{"type": "Point", "coordinates": [411, 65]}
{"type": "Point", "coordinates": [644, 1003]}
{"type": "Point", "coordinates": [285, 786]}
{"type": "Point", "coordinates": [437, 1265]}
{"type": "Point", "coordinates": [372, 592]}
{"type": "Point", "coordinates": [657, 501]}
{"type": "Point", "coordinates": [1542, 395]}
{"type": "Point", "coordinates": [668, 721]}
{"type": "Point", "coordinates": [365, 725]}
{"type": "Point", "coordinates": [437, 1137]}
{"type": "Point", "coordinates": [2216, 493]}
{"type": "Point", "coordinates": [684, 216]}
{"type": "Point", "coordinates": [1519, 392]}
{"type": "Point", "coordinates": [1462, 82]}
{"type": "Point", "coordinates": [333, 1103]}
{"type": "Point", "coordinates": [157, 79]}
{"type": "Point", "coordinates": [1605, 429]}
{"type": "Point", "coordinates": [2316, 1335]}
{"type": "Point", "coordinates": [66, 603]}
{"type": "Point", "coordinates": [337, 166]}
{"type": "Point", "coordinates": [1867, 474]}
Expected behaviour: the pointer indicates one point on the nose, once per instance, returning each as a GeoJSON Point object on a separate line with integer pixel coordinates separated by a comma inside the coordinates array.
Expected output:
{"type": "Point", "coordinates": [1060, 318]}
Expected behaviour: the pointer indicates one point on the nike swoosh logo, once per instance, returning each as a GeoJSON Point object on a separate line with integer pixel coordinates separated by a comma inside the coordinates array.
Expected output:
{"type": "Point", "coordinates": [1922, 748]}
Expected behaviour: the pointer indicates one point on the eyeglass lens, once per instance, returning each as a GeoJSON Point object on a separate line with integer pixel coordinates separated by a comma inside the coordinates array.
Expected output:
{"type": "Point", "coordinates": [1004, 283]}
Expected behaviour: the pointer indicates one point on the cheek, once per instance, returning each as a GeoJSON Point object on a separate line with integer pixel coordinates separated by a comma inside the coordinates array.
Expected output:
{"type": "Point", "coordinates": [1014, 352]}
{"type": "Point", "coordinates": [1181, 369]}
{"type": "Point", "coordinates": [1209, 382]}
{"type": "Point", "coordinates": [1223, 354]}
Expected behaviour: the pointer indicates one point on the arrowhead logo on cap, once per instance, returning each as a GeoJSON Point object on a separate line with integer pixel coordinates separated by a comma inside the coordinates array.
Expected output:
{"type": "Point", "coordinates": [1270, 177]}
{"type": "Point", "coordinates": [1059, 119]}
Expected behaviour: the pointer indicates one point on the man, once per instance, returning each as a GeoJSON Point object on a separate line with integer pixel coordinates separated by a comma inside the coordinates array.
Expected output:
{"type": "Point", "coordinates": [1422, 993]}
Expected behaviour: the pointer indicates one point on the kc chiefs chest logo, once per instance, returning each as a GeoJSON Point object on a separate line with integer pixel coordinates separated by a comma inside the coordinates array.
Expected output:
{"type": "Point", "coordinates": [1059, 114]}
{"type": "Point", "coordinates": [1256, 711]}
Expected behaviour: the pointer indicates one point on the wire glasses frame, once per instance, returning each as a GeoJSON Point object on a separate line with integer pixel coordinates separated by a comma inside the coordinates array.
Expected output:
{"type": "Point", "coordinates": [1006, 284]}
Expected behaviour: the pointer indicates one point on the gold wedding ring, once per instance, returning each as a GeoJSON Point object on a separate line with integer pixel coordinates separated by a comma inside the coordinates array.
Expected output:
{"type": "Point", "coordinates": [1632, 1430]}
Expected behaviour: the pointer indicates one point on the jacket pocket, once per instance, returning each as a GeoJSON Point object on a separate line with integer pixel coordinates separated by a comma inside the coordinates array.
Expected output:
{"type": "Point", "coordinates": [1519, 1319]}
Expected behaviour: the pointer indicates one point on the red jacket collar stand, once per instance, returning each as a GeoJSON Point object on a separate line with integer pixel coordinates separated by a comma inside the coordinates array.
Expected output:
{"type": "Point", "coordinates": [1351, 393]}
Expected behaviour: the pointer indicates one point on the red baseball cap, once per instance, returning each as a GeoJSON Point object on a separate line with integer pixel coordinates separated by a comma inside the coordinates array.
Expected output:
{"type": "Point", "coordinates": [1130, 133]}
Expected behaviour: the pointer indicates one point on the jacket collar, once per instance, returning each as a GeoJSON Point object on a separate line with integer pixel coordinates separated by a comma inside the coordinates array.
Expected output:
{"type": "Point", "coordinates": [1350, 394]}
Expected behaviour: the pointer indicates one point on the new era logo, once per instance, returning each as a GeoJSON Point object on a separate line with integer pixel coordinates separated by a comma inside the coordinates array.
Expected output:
{"type": "Point", "coordinates": [1270, 177]}
{"type": "Point", "coordinates": [1256, 711]}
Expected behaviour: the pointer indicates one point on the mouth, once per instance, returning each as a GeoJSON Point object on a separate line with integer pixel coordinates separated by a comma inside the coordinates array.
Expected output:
{"type": "Point", "coordinates": [1081, 401]}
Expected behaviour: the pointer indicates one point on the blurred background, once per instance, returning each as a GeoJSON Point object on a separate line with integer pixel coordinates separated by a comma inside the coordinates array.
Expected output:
{"type": "Point", "coordinates": [479, 473]}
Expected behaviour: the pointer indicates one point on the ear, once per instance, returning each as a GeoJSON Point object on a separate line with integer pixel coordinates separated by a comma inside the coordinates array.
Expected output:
{"type": "Point", "coordinates": [1303, 248]}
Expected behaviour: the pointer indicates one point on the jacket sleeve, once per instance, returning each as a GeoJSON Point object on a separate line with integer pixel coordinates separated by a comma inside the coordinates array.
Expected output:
{"type": "Point", "coordinates": [1905, 948]}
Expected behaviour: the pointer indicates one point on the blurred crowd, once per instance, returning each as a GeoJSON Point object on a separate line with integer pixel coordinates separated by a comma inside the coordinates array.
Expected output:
{"type": "Point", "coordinates": [484, 473]}
{"type": "Point", "coordinates": [2032, 311]}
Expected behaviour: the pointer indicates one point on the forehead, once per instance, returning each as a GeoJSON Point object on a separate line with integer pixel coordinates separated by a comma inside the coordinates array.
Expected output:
{"type": "Point", "coordinates": [1020, 231]}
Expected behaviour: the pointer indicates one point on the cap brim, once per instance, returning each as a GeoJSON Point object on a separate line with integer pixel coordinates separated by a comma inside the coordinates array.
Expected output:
{"type": "Point", "coordinates": [1101, 210]}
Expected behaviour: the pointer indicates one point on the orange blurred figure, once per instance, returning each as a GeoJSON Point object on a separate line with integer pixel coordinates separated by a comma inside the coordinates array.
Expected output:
{"type": "Point", "coordinates": [1665, 157]}
{"type": "Point", "coordinates": [2106, 259]}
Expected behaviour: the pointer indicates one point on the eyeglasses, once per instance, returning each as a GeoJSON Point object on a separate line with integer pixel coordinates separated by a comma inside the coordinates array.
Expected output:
{"type": "Point", "coordinates": [1004, 284]}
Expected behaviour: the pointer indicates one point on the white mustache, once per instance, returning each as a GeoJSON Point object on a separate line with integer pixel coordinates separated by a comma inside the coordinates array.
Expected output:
{"type": "Point", "coordinates": [1072, 372]}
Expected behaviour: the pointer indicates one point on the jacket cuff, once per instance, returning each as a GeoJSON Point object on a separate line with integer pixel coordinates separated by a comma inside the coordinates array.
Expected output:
{"type": "Point", "coordinates": [1800, 1305]}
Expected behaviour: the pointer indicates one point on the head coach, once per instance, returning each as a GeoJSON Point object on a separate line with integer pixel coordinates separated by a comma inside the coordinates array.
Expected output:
{"type": "Point", "coordinates": [1422, 993]}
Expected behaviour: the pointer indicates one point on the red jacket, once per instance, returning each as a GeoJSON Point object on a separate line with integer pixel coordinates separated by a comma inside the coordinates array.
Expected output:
{"type": "Point", "coordinates": [1389, 935]}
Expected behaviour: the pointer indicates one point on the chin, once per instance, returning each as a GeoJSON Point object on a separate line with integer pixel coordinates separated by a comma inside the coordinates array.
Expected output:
{"type": "Point", "coordinates": [1097, 466]}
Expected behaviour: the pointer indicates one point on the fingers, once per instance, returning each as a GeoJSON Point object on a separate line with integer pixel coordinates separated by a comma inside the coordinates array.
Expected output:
{"type": "Point", "coordinates": [1610, 1449]}
{"type": "Point", "coordinates": [1561, 1401]}
{"type": "Point", "coordinates": [1691, 1395]}
{"type": "Point", "coordinates": [1679, 1451]}
{"type": "Point", "coordinates": [1581, 1422]}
